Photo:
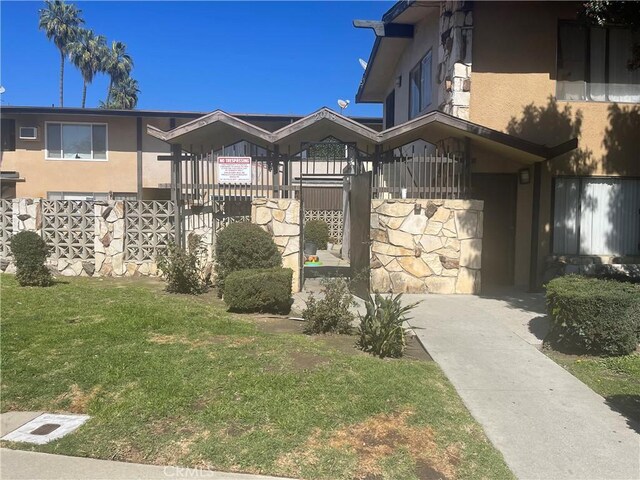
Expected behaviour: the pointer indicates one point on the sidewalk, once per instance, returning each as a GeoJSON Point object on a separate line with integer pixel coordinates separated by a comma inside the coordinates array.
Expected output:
{"type": "Point", "coordinates": [546, 423]}
{"type": "Point", "coordinates": [19, 465]}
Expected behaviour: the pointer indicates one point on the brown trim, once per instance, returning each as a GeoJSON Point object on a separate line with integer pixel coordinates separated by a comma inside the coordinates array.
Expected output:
{"type": "Point", "coordinates": [139, 155]}
{"type": "Point", "coordinates": [535, 228]}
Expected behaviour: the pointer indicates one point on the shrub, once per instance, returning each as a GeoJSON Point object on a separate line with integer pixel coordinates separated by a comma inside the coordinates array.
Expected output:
{"type": "Point", "coordinates": [242, 246]}
{"type": "Point", "coordinates": [381, 332]}
{"type": "Point", "coordinates": [590, 315]}
{"type": "Point", "coordinates": [317, 231]}
{"type": "Point", "coordinates": [182, 268]}
{"type": "Point", "coordinates": [332, 312]}
{"type": "Point", "coordinates": [30, 253]}
{"type": "Point", "coordinates": [259, 290]}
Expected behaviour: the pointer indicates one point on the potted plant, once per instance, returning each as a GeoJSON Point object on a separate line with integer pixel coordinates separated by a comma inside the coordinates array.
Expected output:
{"type": "Point", "coordinates": [316, 234]}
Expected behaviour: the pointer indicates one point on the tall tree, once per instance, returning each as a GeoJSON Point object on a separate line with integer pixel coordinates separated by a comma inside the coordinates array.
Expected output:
{"type": "Point", "coordinates": [88, 52]}
{"type": "Point", "coordinates": [118, 65]}
{"type": "Point", "coordinates": [124, 94]}
{"type": "Point", "coordinates": [60, 22]}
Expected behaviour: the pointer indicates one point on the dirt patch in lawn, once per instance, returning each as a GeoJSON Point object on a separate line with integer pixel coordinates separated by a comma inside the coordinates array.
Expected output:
{"type": "Point", "coordinates": [377, 438]}
{"type": "Point", "coordinates": [276, 324]}
{"type": "Point", "coordinates": [77, 400]}
{"type": "Point", "coordinates": [229, 341]}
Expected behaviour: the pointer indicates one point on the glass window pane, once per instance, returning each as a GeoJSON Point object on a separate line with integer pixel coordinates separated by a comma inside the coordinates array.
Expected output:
{"type": "Point", "coordinates": [565, 213]}
{"type": "Point", "coordinates": [425, 86]}
{"type": "Point", "coordinates": [624, 84]}
{"type": "Point", "coordinates": [54, 142]}
{"type": "Point", "coordinates": [76, 141]}
{"type": "Point", "coordinates": [100, 142]}
{"type": "Point", "coordinates": [572, 43]}
{"type": "Point", "coordinates": [597, 83]}
{"type": "Point", "coordinates": [414, 92]}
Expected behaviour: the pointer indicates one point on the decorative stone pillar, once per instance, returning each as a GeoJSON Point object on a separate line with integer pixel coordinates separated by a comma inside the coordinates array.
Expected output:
{"type": "Point", "coordinates": [426, 246]}
{"type": "Point", "coordinates": [454, 57]}
{"type": "Point", "coordinates": [281, 218]}
{"type": "Point", "coordinates": [109, 238]}
{"type": "Point", "coordinates": [27, 215]}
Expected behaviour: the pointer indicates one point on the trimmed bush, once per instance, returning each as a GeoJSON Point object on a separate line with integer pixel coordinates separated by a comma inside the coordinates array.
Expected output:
{"type": "Point", "coordinates": [182, 268]}
{"type": "Point", "coordinates": [259, 290]}
{"type": "Point", "coordinates": [381, 332]}
{"type": "Point", "coordinates": [330, 314]}
{"type": "Point", "coordinates": [242, 246]}
{"type": "Point", "coordinates": [595, 316]}
{"type": "Point", "coordinates": [30, 254]}
{"type": "Point", "coordinates": [317, 231]}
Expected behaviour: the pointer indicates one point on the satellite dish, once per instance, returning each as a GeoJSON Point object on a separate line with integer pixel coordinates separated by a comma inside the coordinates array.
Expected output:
{"type": "Point", "coordinates": [2, 90]}
{"type": "Point", "coordinates": [363, 64]}
{"type": "Point", "coordinates": [343, 104]}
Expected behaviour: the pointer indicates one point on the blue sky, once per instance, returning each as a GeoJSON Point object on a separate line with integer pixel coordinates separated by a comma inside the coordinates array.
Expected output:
{"type": "Point", "coordinates": [253, 57]}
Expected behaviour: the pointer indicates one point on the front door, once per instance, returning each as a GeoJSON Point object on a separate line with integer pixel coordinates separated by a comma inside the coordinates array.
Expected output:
{"type": "Point", "coordinates": [499, 192]}
{"type": "Point", "coordinates": [360, 218]}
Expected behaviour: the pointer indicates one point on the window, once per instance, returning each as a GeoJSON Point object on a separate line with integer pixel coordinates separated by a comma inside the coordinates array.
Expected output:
{"type": "Point", "coordinates": [420, 86]}
{"type": "Point", "coordinates": [8, 133]}
{"type": "Point", "coordinates": [90, 196]}
{"type": "Point", "coordinates": [593, 64]}
{"type": "Point", "coordinates": [596, 216]}
{"type": "Point", "coordinates": [28, 133]}
{"type": "Point", "coordinates": [390, 110]}
{"type": "Point", "coordinates": [76, 141]}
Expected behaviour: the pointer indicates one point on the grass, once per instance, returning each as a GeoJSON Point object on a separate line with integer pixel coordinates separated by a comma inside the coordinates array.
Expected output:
{"type": "Point", "coordinates": [617, 379]}
{"type": "Point", "coordinates": [176, 380]}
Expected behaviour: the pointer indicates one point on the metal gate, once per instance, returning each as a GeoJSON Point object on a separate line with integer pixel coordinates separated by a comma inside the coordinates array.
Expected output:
{"type": "Point", "coordinates": [360, 213]}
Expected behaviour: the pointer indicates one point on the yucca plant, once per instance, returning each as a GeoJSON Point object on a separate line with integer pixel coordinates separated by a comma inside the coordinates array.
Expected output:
{"type": "Point", "coordinates": [381, 332]}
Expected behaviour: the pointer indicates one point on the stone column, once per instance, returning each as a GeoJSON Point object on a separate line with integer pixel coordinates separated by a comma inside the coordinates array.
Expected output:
{"type": "Point", "coordinates": [109, 238]}
{"type": "Point", "coordinates": [281, 218]}
{"type": "Point", "coordinates": [27, 215]}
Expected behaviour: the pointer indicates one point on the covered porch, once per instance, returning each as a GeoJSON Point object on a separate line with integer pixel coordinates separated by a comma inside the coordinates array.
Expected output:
{"type": "Point", "coordinates": [435, 156]}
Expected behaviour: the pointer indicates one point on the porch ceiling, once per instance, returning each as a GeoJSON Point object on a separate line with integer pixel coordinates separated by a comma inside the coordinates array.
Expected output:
{"type": "Point", "coordinates": [212, 132]}
{"type": "Point", "coordinates": [436, 126]}
{"type": "Point", "coordinates": [322, 124]}
{"type": "Point", "coordinates": [218, 128]}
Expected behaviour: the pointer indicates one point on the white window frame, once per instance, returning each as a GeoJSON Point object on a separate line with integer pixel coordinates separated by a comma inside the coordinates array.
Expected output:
{"type": "Point", "coordinates": [91, 124]}
{"type": "Point", "coordinates": [419, 67]}
{"type": "Point", "coordinates": [27, 138]}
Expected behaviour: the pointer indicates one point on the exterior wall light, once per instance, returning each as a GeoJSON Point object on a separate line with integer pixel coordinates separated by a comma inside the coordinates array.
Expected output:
{"type": "Point", "coordinates": [524, 175]}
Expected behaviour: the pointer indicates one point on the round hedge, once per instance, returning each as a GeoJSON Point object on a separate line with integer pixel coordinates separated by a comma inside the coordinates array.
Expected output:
{"type": "Point", "coordinates": [317, 231]}
{"type": "Point", "coordinates": [30, 253]}
{"type": "Point", "coordinates": [242, 246]}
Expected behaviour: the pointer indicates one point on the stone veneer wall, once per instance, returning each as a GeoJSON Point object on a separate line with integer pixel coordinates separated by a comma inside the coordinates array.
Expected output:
{"type": "Point", "coordinates": [426, 246]}
{"type": "Point", "coordinates": [281, 218]}
{"type": "Point", "coordinates": [108, 238]}
{"type": "Point", "coordinates": [454, 57]}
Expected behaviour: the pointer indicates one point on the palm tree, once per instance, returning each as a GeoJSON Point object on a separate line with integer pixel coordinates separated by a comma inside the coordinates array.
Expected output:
{"type": "Point", "coordinates": [60, 22]}
{"type": "Point", "coordinates": [118, 65]}
{"type": "Point", "coordinates": [87, 52]}
{"type": "Point", "coordinates": [124, 94]}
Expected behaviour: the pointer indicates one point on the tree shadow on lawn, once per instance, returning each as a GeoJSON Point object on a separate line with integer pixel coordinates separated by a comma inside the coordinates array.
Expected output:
{"type": "Point", "coordinates": [628, 406]}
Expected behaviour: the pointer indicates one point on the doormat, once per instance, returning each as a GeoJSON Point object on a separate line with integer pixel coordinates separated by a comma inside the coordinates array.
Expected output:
{"type": "Point", "coordinates": [46, 428]}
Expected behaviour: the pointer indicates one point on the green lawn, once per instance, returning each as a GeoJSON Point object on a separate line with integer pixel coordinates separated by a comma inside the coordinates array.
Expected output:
{"type": "Point", "coordinates": [617, 379]}
{"type": "Point", "coordinates": [171, 379]}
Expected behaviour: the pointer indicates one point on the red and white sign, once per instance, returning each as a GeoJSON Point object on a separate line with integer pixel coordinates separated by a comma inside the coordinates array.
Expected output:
{"type": "Point", "coordinates": [234, 170]}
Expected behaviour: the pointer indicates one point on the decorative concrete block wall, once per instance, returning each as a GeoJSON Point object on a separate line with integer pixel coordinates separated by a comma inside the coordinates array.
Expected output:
{"type": "Point", "coordinates": [281, 218]}
{"type": "Point", "coordinates": [454, 57]}
{"type": "Point", "coordinates": [112, 238]}
{"type": "Point", "coordinates": [426, 246]}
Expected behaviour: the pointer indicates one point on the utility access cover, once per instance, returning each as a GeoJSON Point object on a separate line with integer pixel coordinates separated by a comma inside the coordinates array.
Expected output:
{"type": "Point", "coordinates": [46, 428]}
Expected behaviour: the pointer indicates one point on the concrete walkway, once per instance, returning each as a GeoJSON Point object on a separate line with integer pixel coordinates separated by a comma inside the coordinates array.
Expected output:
{"type": "Point", "coordinates": [546, 423]}
{"type": "Point", "coordinates": [19, 465]}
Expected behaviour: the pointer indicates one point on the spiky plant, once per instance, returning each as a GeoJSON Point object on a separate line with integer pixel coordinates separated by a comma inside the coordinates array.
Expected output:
{"type": "Point", "coordinates": [118, 65]}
